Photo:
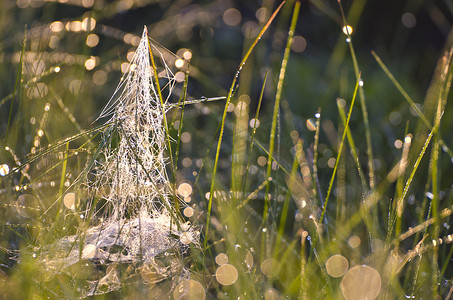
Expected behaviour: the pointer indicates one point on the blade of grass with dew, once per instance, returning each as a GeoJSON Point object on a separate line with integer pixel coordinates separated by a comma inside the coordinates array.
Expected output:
{"type": "Point", "coordinates": [373, 198]}
{"type": "Point", "coordinates": [316, 185]}
{"type": "Point", "coordinates": [252, 136]}
{"type": "Point", "coordinates": [369, 149]}
{"type": "Point", "coordinates": [410, 101]}
{"type": "Point", "coordinates": [340, 148]}
{"type": "Point", "coordinates": [181, 119]}
{"type": "Point", "coordinates": [16, 84]}
{"type": "Point", "coordinates": [435, 155]}
{"type": "Point", "coordinates": [243, 61]}
{"type": "Point", "coordinates": [352, 146]}
{"type": "Point", "coordinates": [278, 95]}
{"type": "Point", "coordinates": [284, 213]}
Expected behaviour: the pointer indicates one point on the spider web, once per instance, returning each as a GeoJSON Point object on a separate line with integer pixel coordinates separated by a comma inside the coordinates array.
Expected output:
{"type": "Point", "coordinates": [136, 223]}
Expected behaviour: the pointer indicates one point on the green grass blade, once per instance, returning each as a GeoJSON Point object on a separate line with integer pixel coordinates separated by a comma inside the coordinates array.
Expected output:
{"type": "Point", "coordinates": [281, 80]}
{"type": "Point", "coordinates": [340, 148]}
{"type": "Point", "coordinates": [222, 126]}
{"type": "Point", "coordinates": [16, 85]}
{"type": "Point", "coordinates": [366, 122]}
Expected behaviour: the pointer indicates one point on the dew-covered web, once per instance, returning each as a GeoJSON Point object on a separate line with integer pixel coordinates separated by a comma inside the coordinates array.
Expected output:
{"type": "Point", "coordinates": [133, 219]}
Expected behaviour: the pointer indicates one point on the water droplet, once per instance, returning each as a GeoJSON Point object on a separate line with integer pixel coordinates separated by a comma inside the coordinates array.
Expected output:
{"type": "Point", "coordinates": [189, 289]}
{"type": "Point", "coordinates": [348, 40]}
{"type": "Point", "coordinates": [337, 265]}
{"type": "Point", "coordinates": [360, 283]}
{"type": "Point", "coordinates": [360, 82]}
{"type": "Point", "coordinates": [347, 29]}
{"type": "Point", "coordinates": [226, 274]}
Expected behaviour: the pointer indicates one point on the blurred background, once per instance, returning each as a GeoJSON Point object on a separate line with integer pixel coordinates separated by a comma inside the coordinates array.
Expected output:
{"type": "Point", "coordinates": [91, 41]}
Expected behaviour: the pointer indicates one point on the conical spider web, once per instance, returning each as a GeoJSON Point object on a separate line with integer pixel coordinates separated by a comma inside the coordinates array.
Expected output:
{"type": "Point", "coordinates": [137, 222]}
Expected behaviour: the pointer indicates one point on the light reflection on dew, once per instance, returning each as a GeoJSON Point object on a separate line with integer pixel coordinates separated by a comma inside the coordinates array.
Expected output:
{"type": "Point", "coordinates": [347, 29]}
{"type": "Point", "coordinates": [221, 259]}
{"type": "Point", "coordinates": [226, 274]}
{"type": "Point", "coordinates": [188, 290]}
{"type": "Point", "coordinates": [337, 265]}
{"type": "Point", "coordinates": [4, 170]}
{"type": "Point", "coordinates": [270, 267]}
{"type": "Point", "coordinates": [311, 125]}
{"type": "Point", "coordinates": [360, 283]}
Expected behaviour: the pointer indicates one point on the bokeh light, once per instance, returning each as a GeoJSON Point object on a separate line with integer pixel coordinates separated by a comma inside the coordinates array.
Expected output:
{"type": "Point", "coordinates": [221, 259]}
{"type": "Point", "coordinates": [69, 201]}
{"type": "Point", "coordinates": [188, 290]}
{"type": "Point", "coordinates": [361, 283]}
{"type": "Point", "coordinates": [337, 265]}
{"type": "Point", "coordinates": [185, 189]}
{"type": "Point", "coordinates": [270, 267]}
{"type": "Point", "coordinates": [354, 241]}
{"type": "Point", "coordinates": [232, 17]}
{"type": "Point", "coordinates": [92, 40]}
{"type": "Point", "coordinates": [408, 20]}
{"type": "Point", "coordinates": [226, 274]}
